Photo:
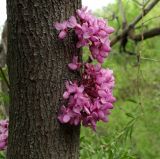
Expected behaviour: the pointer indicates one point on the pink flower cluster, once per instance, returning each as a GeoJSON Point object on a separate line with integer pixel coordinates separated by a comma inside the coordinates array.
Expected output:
{"type": "Point", "coordinates": [91, 32]}
{"type": "Point", "coordinates": [3, 134]}
{"type": "Point", "coordinates": [89, 100]}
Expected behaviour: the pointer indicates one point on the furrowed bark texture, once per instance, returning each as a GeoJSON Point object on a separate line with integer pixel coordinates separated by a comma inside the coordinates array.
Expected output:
{"type": "Point", "coordinates": [37, 63]}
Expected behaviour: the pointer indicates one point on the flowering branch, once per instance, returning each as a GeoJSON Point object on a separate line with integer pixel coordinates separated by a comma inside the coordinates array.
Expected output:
{"type": "Point", "coordinates": [89, 100]}
{"type": "Point", "coordinates": [3, 134]}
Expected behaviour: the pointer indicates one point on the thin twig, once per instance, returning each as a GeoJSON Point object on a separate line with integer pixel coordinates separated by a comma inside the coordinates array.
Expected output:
{"type": "Point", "coordinates": [141, 4]}
{"type": "Point", "coordinates": [148, 21]}
{"type": "Point", "coordinates": [144, 58]}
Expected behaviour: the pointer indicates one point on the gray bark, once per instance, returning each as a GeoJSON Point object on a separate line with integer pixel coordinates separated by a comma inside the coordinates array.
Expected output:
{"type": "Point", "coordinates": [37, 63]}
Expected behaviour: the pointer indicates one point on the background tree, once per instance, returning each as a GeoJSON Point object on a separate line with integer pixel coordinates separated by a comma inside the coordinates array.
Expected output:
{"type": "Point", "coordinates": [4, 83]}
{"type": "Point", "coordinates": [37, 63]}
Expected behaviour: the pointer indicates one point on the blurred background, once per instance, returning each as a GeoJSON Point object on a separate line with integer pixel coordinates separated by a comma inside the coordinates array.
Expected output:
{"type": "Point", "coordinates": [133, 130]}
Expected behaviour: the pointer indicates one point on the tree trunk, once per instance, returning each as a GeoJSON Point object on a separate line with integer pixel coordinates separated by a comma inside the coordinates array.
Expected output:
{"type": "Point", "coordinates": [4, 85]}
{"type": "Point", "coordinates": [37, 63]}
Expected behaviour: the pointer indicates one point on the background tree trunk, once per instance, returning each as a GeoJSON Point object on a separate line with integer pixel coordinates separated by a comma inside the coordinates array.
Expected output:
{"type": "Point", "coordinates": [4, 85]}
{"type": "Point", "coordinates": [37, 63]}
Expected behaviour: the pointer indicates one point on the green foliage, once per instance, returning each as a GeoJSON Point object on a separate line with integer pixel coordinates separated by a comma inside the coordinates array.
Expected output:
{"type": "Point", "coordinates": [134, 122]}
{"type": "Point", "coordinates": [2, 155]}
{"type": "Point", "coordinates": [4, 96]}
{"type": "Point", "coordinates": [133, 129]}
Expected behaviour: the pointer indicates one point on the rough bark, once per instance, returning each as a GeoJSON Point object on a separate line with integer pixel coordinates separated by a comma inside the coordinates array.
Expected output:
{"type": "Point", "coordinates": [37, 63]}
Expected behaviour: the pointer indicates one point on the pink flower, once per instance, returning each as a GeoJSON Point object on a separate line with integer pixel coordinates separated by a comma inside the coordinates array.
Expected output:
{"type": "Point", "coordinates": [72, 22]}
{"type": "Point", "coordinates": [62, 27]}
{"type": "Point", "coordinates": [62, 34]}
{"type": "Point", "coordinates": [83, 14]}
{"type": "Point", "coordinates": [109, 30]}
{"type": "Point", "coordinates": [75, 64]}
{"type": "Point", "coordinates": [64, 117]}
{"type": "Point", "coordinates": [91, 31]}
{"type": "Point", "coordinates": [89, 100]}
{"type": "Point", "coordinates": [3, 134]}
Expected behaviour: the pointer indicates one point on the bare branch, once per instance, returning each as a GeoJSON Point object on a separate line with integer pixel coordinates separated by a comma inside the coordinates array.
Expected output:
{"type": "Point", "coordinates": [148, 34]}
{"type": "Point", "coordinates": [141, 4]}
{"type": "Point", "coordinates": [145, 12]}
{"type": "Point", "coordinates": [145, 58]}
{"type": "Point", "coordinates": [137, 2]}
{"type": "Point", "coordinates": [135, 21]}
